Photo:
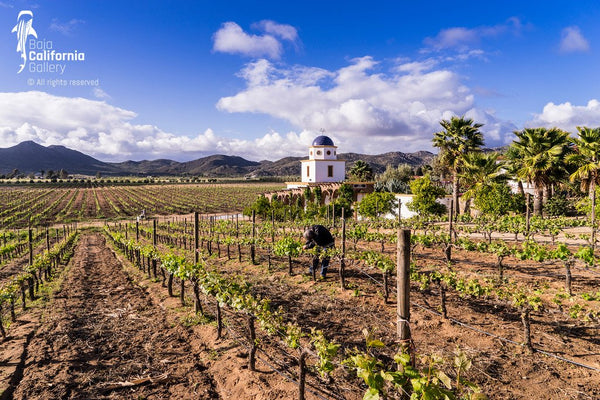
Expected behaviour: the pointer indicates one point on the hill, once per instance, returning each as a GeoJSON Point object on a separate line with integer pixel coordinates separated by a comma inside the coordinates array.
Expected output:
{"type": "Point", "coordinates": [30, 157]}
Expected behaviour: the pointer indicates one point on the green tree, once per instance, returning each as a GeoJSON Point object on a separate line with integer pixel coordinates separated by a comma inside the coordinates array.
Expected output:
{"type": "Point", "coordinates": [361, 171]}
{"type": "Point", "coordinates": [425, 195]}
{"type": "Point", "coordinates": [375, 204]}
{"type": "Point", "coordinates": [459, 137]}
{"type": "Point", "coordinates": [542, 154]}
{"type": "Point", "coordinates": [494, 199]}
{"type": "Point", "coordinates": [587, 159]}
{"type": "Point", "coordinates": [480, 170]}
{"type": "Point", "coordinates": [261, 207]}
{"type": "Point", "coordinates": [394, 180]}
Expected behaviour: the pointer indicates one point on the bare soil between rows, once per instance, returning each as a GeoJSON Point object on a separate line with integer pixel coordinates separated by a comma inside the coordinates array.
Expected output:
{"type": "Point", "coordinates": [102, 337]}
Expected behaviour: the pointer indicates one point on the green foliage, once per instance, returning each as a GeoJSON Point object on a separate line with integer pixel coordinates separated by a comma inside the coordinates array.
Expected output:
{"type": "Point", "coordinates": [318, 193]}
{"type": "Point", "coordinates": [375, 204]}
{"type": "Point", "coordinates": [558, 205]}
{"type": "Point", "coordinates": [361, 171]}
{"type": "Point", "coordinates": [346, 192]}
{"type": "Point", "coordinates": [261, 206]}
{"type": "Point", "coordinates": [287, 246]}
{"type": "Point", "coordinates": [494, 199]}
{"type": "Point", "coordinates": [394, 180]}
{"type": "Point", "coordinates": [425, 196]}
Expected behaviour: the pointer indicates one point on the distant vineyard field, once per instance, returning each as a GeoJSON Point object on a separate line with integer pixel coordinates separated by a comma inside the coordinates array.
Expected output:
{"type": "Point", "coordinates": [42, 206]}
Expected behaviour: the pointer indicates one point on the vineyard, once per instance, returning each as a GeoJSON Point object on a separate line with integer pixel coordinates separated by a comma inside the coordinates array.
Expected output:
{"type": "Point", "coordinates": [503, 309]}
{"type": "Point", "coordinates": [20, 206]}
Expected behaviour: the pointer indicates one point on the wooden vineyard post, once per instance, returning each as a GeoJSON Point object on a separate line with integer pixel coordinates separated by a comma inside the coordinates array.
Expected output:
{"type": "Point", "coordinates": [526, 319]}
{"type": "Point", "coordinates": [237, 237]}
{"type": "Point", "coordinates": [219, 321]}
{"type": "Point", "coordinates": [448, 249]}
{"type": "Point", "coordinates": [154, 242]}
{"type": "Point", "coordinates": [48, 239]}
{"type": "Point", "coordinates": [196, 237]}
{"type": "Point", "coordinates": [137, 230]}
{"type": "Point", "coordinates": [343, 259]}
{"type": "Point", "coordinates": [253, 244]}
{"type": "Point", "coordinates": [182, 292]}
{"type": "Point", "coordinates": [399, 212]}
{"type": "Point", "coordinates": [252, 355]}
{"type": "Point", "coordinates": [30, 280]}
{"type": "Point", "coordinates": [527, 214]}
{"type": "Point", "coordinates": [403, 289]}
{"type": "Point", "coordinates": [302, 374]}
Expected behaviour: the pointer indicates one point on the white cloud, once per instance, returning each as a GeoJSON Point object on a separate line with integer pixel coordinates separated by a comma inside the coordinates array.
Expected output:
{"type": "Point", "coordinates": [394, 110]}
{"type": "Point", "coordinates": [232, 39]}
{"type": "Point", "coordinates": [573, 41]}
{"type": "Point", "coordinates": [568, 116]}
{"type": "Point", "coordinates": [107, 132]}
{"type": "Point", "coordinates": [462, 38]}
{"type": "Point", "coordinates": [100, 94]}
{"type": "Point", "coordinates": [66, 28]}
{"type": "Point", "coordinates": [283, 31]}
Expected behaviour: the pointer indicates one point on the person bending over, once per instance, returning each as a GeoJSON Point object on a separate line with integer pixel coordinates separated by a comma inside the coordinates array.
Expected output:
{"type": "Point", "coordinates": [318, 235]}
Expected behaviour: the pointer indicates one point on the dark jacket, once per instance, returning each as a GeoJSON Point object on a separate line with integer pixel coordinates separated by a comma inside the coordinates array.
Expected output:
{"type": "Point", "coordinates": [322, 237]}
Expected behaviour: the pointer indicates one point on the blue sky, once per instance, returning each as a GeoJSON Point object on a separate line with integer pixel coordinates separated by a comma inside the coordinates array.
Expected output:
{"type": "Point", "coordinates": [182, 80]}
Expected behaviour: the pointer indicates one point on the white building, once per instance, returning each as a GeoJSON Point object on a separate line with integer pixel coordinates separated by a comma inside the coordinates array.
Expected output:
{"type": "Point", "coordinates": [322, 164]}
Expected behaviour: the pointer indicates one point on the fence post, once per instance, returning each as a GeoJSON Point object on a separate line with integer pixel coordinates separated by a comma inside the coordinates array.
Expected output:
{"type": "Point", "coordinates": [252, 355]}
{"type": "Point", "coordinates": [343, 260]}
{"type": "Point", "coordinates": [403, 288]}
{"type": "Point", "coordinates": [527, 213]}
{"type": "Point", "coordinates": [252, 245]}
{"type": "Point", "coordinates": [302, 375]}
{"type": "Point", "coordinates": [196, 237]}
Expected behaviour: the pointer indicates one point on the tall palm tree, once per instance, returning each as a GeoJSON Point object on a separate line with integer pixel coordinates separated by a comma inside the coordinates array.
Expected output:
{"type": "Point", "coordinates": [542, 152]}
{"type": "Point", "coordinates": [587, 158]}
{"type": "Point", "coordinates": [480, 170]}
{"type": "Point", "coordinates": [460, 136]}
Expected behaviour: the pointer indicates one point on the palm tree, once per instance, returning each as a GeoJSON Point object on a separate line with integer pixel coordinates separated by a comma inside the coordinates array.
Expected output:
{"type": "Point", "coordinates": [459, 137]}
{"type": "Point", "coordinates": [587, 158]}
{"type": "Point", "coordinates": [480, 170]}
{"type": "Point", "coordinates": [361, 171]}
{"type": "Point", "coordinates": [542, 152]}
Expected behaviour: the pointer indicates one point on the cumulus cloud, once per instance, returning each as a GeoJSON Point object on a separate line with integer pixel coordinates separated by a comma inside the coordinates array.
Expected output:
{"type": "Point", "coordinates": [461, 38]}
{"type": "Point", "coordinates": [568, 116]}
{"type": "Point", "coordinates": [108, 133]}
{"type": "Point", "coordinates": [367, 108]}
{"type": "Point", "coordinates": [232, 39]}
{"type": "Point", "coordinates": [572, 40]}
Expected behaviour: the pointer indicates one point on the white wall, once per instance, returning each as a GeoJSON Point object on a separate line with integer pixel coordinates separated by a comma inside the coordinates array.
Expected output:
{"type": "Point", "coordinates": [318, 170]}
{"type": "Point", "coordinates": [405, 213]}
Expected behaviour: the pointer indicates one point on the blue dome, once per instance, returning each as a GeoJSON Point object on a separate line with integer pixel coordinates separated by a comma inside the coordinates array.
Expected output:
{"type": "Point", "coordinates": [322, 141]}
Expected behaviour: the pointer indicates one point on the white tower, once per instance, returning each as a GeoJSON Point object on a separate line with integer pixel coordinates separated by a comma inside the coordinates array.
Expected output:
{"type": "Point", "coordinates": [322, 164]}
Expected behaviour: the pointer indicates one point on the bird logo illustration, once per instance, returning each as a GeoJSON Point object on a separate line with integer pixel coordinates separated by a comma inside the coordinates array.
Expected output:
{"type": "Point", "coordinates": [24, 29]}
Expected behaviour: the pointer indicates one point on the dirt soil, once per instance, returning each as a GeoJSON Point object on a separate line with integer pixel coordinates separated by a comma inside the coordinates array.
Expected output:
{"type": "Point", "coordinates": [110, 332]}
{"type": "Point", "coordinates": [102, 337]}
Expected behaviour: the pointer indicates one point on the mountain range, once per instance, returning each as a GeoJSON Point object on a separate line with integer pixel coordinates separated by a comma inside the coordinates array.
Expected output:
{"type": "Point", "coordinates": [29, 157]}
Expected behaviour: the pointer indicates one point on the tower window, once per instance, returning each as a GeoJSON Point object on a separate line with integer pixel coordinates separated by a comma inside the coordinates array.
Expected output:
{"type": "Point", "coordinates": [318, 152]}
{"type": "Point", "coordinates": [330, 171]}
{"type": "Point", "coordinates": [328, 152]}
{"type": "Point", "coordinates": [307, 170]}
